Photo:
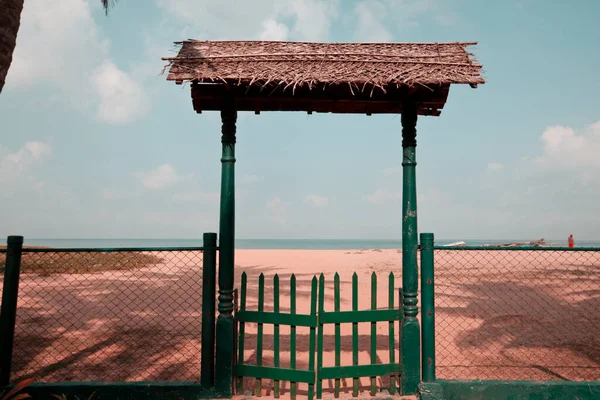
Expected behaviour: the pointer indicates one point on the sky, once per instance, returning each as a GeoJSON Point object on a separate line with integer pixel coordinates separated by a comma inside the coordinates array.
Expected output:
{"type": "Point", "coordinates": [95, 143]}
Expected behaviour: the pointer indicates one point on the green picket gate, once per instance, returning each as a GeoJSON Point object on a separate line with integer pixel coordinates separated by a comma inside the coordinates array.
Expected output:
{"type": "Point", "coordinates": [315, 321]}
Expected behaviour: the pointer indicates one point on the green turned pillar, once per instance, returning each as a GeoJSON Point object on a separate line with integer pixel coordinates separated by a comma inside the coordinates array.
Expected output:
{"type": "Point", "coordinates": [225, 323]}
{"type": "Point", "coordinates": [410, 340]}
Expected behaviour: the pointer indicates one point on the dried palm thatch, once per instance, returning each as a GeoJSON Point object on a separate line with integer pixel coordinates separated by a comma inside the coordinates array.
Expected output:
{"type": "Point", "coordinates": [360, 68]}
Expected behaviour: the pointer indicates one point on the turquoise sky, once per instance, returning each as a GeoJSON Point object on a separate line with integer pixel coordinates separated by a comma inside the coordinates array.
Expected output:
{"type": "Point", "coordinates": [94, 143]}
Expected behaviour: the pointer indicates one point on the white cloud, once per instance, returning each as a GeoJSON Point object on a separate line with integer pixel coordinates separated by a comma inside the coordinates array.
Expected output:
{"type": "Point", "coordinates": [231, 19]}
{"type": "Point", "coordinates": [121, 98]}
{"type": "Point", "coordinates": [13, 165]}
{"type": "Point", "coordinates": [370, 15]}
{"type": "Point", "coordinates": [494, 166]}
{"type": "Point", "coordinates": [564, 148]}
{"type": "Point", "coordinates": [162, 177]}
{"type": "Point", "coordinates": [196, 196]}
{"type": "Point", "coordinates": [59, 45]}
{"type": "Point", "coordinates": [316, 201]}
{"type": "Point", "coordinates": [273, 30]}
{"type": "Point", "coordinates": [275, 210]}
{"type": "Point", "coordinates": [383, 196]}
{"type": "Point", "coordinates": [250, 179]}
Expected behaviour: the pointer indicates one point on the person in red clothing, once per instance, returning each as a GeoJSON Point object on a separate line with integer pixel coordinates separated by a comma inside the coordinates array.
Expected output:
{"type": "Point", "coordinates": [571, 241]}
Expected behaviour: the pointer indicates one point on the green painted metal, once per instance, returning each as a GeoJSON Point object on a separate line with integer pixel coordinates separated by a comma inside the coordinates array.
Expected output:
{"type": "Point", "coordinates": [373, 331]}
{"type": "Point", "coordinates": [259, 335]}
{"type": "Point", "coordinates": [519, 390]}
{"type": "Point", "coordinates": [311, 348]}
{"type": "Point", "coordinates": [428, 308]}
{"type": "Point", "coordinates": [338, 339]}
{"type": "Point", "coordinates": [120, 391]}
{"type": "Point", "coordinates": [355, 381]}
{"type": "Point", "coordinates": [225, 322]}
{"type": "Point", "coordinates": [209, 275]}
{"type": "Point", "coordinates": [360, 370]}
{"type": "Point", "coordinates": [276, 331]}
{"type": "Point", "coordinates": [392, 335]}
{"type": "Point", "coordinates": [521, 248]}
{"type": "Point", "coordinates": [293, 385]}
{"type": "Point", "coordinates": [107, 249]}
{"type": "Point", "coordinates": [242, 330]}
{"type": "Point", "coordinates": [320, 336]}
{"type": "Point", "coordinates": [8, 311]}
{"type": "Point", "coordinates": [410, 339]}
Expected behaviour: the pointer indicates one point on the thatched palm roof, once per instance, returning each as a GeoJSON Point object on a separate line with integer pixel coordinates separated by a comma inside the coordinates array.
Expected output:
{"type": "Point", "coordinates": [361, 72]}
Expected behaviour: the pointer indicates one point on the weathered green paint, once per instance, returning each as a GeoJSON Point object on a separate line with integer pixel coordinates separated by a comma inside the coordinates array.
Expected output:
{"type": "Point", "coordinates": [120, 391]}
{"type": "Point", "coordinates": [338, 338]}
{"type": "Point", "coordinates": [360, 370]}
{"type": "Point", "coordinates": [268, 317]}
{"type": "Point", "coordinates": [320, 336]}
{"type": "Point", "coordinates": [209, 275]}
{"type": "Point", "coordinates": [345, 317]}
{"type": "Point", "coordinates": [428, 308]}
{"type": "Point", "coordinates": [242, 332]}
{"type": "Point", "coordinates": [410, 339]}
{"type": "Point", "coordinates": [392, 335]}
{"type": "Point", "coordinates": [276, 331]}
{"type": "Point", "coordinates": [519, 390]}
{"type": "Point", "coordinates": [259, 334]}
{"type": "Point", "coordinates": [8, 312]}
{"type": "Point", "coordinates": [225, 339]}
{"type": "Point", "coordinates": [311, 347]}
{"type": "Point", "coordinates": [430, 391]}
{"type": "Point", "coordinates": [355, 381]}
{"type": "Point", "coordinates": [293, 385]}
{"type": "Point", "coordinates": [373, 332]}
{"type": "Point", "coordinates": [316, 320]}
{"type": "Point", "coordinates": [282, 374]}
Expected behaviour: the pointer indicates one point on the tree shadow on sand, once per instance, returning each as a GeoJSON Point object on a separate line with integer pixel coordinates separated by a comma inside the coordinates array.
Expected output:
{"type": "Point", "coordinates": [548, 326]}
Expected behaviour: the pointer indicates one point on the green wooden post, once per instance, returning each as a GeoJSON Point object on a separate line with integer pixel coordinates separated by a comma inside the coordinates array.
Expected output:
{"type": "Point", "coordinates": [410, 326]}
{"type": "Point", "coordinates": [373, 332]}
{"type": "Point", "coordinates": [276, 333]}
{"type": "Point", "coordinates": [355, 380]}
{"type": "Point", "coordinates": [392, 338]}
{"type": "Point", "coordinates": [338, 338]}
{"type": "Point", "coordinates": [259, 333]}
{"type": "Point", "coordinates": [428, 312]}
{"type": "Point", "coordinates": [8, 312]}
{"type": "Point", "coordinates": [293, 385]}
{"type": "Point", "coordinates": [209, 274]}
{"type": "Point", "coordinates": [240, 382]}
{"type": "Point", "coordinates": [225, 339]}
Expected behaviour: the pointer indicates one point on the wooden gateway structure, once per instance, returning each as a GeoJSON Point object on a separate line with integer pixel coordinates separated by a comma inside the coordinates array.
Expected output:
{"type": "Point", "coordinates": [411, 79]}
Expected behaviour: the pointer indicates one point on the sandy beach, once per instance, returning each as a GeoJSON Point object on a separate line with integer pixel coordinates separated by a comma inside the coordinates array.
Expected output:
{"type": "Point", "coordinates": [500, 315]}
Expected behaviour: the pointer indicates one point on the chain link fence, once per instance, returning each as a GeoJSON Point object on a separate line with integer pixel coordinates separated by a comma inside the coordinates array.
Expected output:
{"type": "Point", "coordinates": [517, 314]}
{"type": "Point", "coordinates": [90, 315]}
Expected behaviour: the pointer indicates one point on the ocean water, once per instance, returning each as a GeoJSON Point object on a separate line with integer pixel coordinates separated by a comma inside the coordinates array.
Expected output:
{"type": "Point", "coordinates": [283, 244]}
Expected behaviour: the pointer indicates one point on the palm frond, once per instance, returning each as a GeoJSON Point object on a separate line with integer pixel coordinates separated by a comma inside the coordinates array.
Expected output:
{"type": "Point", "coordinates": [107, 4]}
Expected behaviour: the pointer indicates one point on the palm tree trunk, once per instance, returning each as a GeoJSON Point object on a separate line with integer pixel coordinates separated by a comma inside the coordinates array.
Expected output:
{"type": "Point", "coordinates": [10, 20]}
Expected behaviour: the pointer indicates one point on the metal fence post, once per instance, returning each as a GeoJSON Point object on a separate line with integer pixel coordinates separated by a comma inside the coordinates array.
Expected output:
{"type": "Point", "coordinates": [8, 311]}
{"type": "Point", "coordinates": [428, 311]}
{"type": "Point", "coordinates": [209, 275]}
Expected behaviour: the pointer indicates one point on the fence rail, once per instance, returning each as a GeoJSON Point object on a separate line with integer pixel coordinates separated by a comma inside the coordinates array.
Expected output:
{"type": "Point", "coordinates": [517, 313]}
{"type": "Point", "coordinates": [110, 314]}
